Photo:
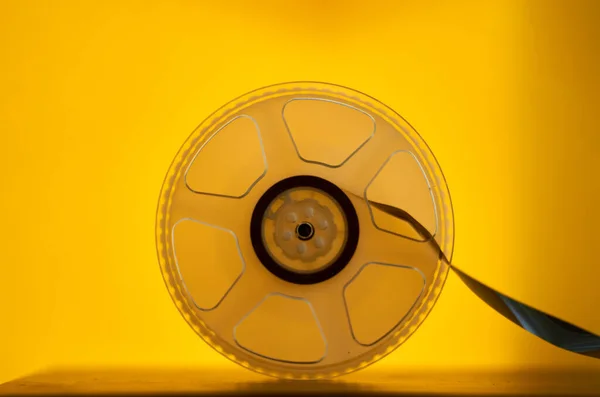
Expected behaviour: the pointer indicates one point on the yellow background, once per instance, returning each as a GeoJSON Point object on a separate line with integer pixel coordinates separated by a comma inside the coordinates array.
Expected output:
{"type": "Point", "coordinates": [97, 97]}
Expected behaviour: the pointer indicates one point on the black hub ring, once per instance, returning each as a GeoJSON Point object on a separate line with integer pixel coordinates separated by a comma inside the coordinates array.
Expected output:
{"type": "Point", "coordinates": [352, 229]}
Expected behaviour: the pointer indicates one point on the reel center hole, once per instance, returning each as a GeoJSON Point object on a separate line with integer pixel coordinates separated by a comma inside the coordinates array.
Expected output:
{"type": "Point", "coordinates": [305, 231]}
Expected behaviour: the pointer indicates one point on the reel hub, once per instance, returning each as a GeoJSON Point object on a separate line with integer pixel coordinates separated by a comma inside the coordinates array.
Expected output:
{"type": "Point", "coordinates": [304, 230]}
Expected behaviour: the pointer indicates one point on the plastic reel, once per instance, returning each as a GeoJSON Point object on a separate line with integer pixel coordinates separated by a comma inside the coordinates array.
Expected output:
{"type": "Point", "coordinates": [279, 235]}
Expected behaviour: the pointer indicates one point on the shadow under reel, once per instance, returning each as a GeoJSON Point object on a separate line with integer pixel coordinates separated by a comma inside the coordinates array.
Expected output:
{"type": "Point", "coordinates": [305, 231]}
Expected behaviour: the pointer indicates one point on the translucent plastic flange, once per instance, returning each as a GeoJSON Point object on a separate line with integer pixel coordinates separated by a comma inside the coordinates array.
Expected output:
{"type": "Point", "coordinates": [249, 314]}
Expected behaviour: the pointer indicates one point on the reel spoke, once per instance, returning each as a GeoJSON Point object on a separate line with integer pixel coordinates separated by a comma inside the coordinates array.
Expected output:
{"type": "Point", "coordinates": [396, 250]}
{"type": "Point", "coordinates": [331, 310]}
{"type": "Point", "coordinates": [422, 253]}
{"type": "Point", "coordinates": [281, 156]}
{"type": "Point", "coordinates": [358, 171]}
{"type": "Point", "coordinates": [367, 161]}
{"type": "Point", "coordinates": [224, 212]}
{"type": "Point", "coordinates": [241, 300]}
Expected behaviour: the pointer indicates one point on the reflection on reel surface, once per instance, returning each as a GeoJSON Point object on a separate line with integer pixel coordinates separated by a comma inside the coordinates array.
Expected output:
{"type": "Point", "coordinates": [305, 230]}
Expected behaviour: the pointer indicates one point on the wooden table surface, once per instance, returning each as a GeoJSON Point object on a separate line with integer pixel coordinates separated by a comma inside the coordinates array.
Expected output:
{"type": "Point", "coordinates": [245, 383]}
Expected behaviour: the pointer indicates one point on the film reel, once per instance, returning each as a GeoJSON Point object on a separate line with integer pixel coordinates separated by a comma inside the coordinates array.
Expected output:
{"type": "Point", "coordinates": [304, 230]}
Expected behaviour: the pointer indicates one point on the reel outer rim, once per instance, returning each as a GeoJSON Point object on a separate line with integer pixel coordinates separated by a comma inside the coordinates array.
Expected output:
{"type": "Point", "coordinates": [174, 173]}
